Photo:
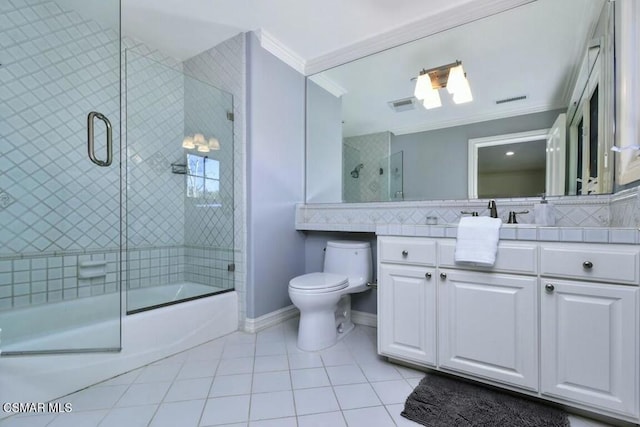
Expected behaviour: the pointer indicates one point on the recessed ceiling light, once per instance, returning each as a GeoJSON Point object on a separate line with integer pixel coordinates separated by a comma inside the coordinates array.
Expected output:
{"type": "Point", "coordinates": [509, 153]}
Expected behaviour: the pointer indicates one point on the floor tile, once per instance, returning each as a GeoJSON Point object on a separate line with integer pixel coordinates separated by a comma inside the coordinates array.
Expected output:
{"type": "Point", "coordinates": [264, 382]}
{"type": "Point", "coordinates": [376, 416]}
{"type": "Point", "coordinates": [337, 357]}
{"type": "Point", "coordinates": [395, 410]}
{"type": "Point", "coordinates": [78, 419]}
{"type": "Point", "coordinates": [226, 410]}
{"type": "Point", "coordinates": [345, 374]}
{"type": "Point", "coordinates": [31, 420]}
{"type": "Point", "coordinates": [144, 394]}
{"type": "Point", "coordinates": [124, 379]}
{"type": "Point", "coordinates": [278, 422]}
{"type": "Point", "coordinates": [309, 378]}
{"type": "Point", "coordinates": [158, 373]}
{"type": "Point", "coordinates": [391, 392]}
{"type": "Point", "coordinates": [380, 372]}
{"type": "Point", "coordinates": [230, 385]}
{"type": "Point", "coordinates": [243, 365]}
{"type": "Point", "coordinates": [132, 416]}
{"type": "Point", "coordinates": [305, 360]}
{"type": "Point", "coordinates": [271, 405]}
{"type": "Point", "coordinates": [354, 396]}
{"type": "Point", "coordinates": [271, 348]}
{"type": "Point", "coordinates": [271, 363]}
{"type": "Point", "coordinates": [196, 388]}
{"type": "Point", "coordinates": [232, 351]}
{"type": "Point", "coordinates": [183, 414]}
{"type": "Point", "coordinates": [99, 397]}
{"type": "Point", "coordinates": [333, 419]}
{"type": "Point", "coordinates": [209, 351]}
{"type": "Point", "coordinates": [315, 400]}
{"type": "Point", "coordinates": [198, 369]}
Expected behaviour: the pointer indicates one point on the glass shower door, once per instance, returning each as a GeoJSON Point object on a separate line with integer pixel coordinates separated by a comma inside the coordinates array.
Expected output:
{"type": "Point", "coordinates": [60, 185]}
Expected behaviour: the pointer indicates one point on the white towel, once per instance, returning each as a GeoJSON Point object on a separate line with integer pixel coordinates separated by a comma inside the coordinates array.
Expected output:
{"type": "Point", "coordinates": [477, 240]}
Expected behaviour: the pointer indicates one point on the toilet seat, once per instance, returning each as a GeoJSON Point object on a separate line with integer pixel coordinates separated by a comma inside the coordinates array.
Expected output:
{"type": "Point", "coordinates": [319, 282]}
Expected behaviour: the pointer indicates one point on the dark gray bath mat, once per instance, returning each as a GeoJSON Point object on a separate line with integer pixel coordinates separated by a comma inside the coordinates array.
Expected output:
{"type": "Point", "coordinates": [440, 401]}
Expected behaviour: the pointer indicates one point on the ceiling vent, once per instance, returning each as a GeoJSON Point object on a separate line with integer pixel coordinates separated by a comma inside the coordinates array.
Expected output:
{"type": "Point", "coordinates": [400, 105]}
{"type": "Point", "coordinates": [514, 99]}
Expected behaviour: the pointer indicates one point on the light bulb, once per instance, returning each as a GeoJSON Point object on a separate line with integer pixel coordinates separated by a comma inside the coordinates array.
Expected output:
{"type": "Point", "coordinates": [214, 144]}
{"type": "Point", "coordinates": [187, 142]}
{"type": "Point", "coordinates": [426, 93]}
{"type": "Point", "coordinates": [203, 148]}
{"type": "Point", "coordinates": [198, 139]}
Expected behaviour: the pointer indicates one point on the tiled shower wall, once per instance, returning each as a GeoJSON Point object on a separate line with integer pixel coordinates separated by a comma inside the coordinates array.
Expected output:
{"type": "Point", "coordinates": [372, 151]}
{"type": "Point", "coordinates": [57, 208]}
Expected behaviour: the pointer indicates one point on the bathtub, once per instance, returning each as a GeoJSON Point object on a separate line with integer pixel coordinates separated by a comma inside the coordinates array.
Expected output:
{"type": "Point", "coordinates": [142, 298]}
{"type": "Point", "coordinates": [146, 336]}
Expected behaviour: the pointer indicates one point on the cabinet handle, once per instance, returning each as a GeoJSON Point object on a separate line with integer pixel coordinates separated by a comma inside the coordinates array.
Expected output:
{"type": "Point", "coordinates": [587, 265]}
{"type": "Point", "coordinates": [405, 253]}
{"type": "Point", "coordinates": [549, 287]}
{"type": "Point", "coordinates": [443, 275]}
{"type": "Point", "coordinates": [427, 275]}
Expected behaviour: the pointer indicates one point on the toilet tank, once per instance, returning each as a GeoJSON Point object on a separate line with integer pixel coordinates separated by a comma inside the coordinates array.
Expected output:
{"type": "Point", "coordinates": [349, 258]}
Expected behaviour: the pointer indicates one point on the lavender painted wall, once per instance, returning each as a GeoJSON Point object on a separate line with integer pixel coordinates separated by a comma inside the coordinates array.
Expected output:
{"type": "Point", "coordinates": [275, 178]}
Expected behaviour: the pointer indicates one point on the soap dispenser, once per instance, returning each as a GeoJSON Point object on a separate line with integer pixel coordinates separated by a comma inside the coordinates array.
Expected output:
{"type": "Point", "coordinates": [544, 213]}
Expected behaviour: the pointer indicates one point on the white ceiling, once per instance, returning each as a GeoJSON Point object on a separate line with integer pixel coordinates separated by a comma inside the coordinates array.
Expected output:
{"type": "Point", "coordinates": [308, 29]}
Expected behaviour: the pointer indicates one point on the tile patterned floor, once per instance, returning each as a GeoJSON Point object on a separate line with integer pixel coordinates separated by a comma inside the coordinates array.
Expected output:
{"type": "Point", "coordinates": [256, 380]}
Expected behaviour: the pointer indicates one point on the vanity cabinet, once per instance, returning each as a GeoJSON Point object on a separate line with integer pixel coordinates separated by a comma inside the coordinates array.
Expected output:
{"type": "Point", "coordinates": [407, 299]}
{"type": "Point", "coordinates": [557, 321]}
{"type": "Point", "coordinates": [488, 326]}
{"type": "Point", "coordinates": [589, 328]}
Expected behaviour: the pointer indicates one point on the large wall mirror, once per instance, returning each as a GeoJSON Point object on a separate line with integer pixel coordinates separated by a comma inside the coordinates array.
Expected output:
{"type": "Point", "coordinates": [547, 65]}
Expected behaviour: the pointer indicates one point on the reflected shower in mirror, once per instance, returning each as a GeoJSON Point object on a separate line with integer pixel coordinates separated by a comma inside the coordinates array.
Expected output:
{"type": "Point", "coordinates": [526, 68]}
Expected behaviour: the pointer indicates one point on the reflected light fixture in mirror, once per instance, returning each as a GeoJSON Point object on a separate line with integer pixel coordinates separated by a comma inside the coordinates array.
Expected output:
{"type": "Point", "coordinates": [200, 143]}
{"type": "Point", "coordinates": [451, 76]}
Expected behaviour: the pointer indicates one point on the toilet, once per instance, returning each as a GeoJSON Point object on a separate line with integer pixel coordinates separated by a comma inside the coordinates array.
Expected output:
{"type": "Point", "coordinates": [324, 298]}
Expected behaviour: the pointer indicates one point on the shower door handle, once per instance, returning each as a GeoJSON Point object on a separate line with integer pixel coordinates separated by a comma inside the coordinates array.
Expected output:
{"type": "Point", "coordinates": [90, 139]}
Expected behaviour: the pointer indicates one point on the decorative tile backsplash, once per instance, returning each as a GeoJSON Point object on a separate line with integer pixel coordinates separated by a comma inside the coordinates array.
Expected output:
{"type": "Point", "coordinates": [594, 211]}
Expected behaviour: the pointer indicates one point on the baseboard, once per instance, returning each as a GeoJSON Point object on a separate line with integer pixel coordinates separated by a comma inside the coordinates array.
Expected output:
{"type": "Point", "coordinates": [364, 318]}
{"type": "Point", "coordinates": [270, 319]}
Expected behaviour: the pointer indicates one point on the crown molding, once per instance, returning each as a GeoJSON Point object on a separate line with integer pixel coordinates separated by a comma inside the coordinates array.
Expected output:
{"type": "Point", "coordinates": [471, 11]}
{"type": "Point", "coordinates": [329, 85]}
{"type": "Point", "coordinates": [280, 51]}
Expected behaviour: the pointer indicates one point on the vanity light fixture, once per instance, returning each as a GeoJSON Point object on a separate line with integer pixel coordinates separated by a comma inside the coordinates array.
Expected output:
{"type": "Point", "coordinates": [450, 76]}
{"type": "Point", "coordinates": [200, 143]}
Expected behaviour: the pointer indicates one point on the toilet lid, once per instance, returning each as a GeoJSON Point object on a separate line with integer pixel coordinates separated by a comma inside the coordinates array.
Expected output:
{"type": "Point", "coordinates": [319, 282]}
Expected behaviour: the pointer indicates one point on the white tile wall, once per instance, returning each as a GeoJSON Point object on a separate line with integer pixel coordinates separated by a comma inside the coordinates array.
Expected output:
{"type": "Point", "coordinates": [368, 150]}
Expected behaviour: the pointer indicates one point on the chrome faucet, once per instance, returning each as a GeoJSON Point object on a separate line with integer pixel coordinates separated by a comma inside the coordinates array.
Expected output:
{"type": "Point", "coordinates": [493, 209]}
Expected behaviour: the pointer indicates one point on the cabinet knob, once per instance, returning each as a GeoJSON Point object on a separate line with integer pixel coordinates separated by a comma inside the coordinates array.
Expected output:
{"type": "Point", "coordinates": [443, 275]}
{"type": "Point", "coordinates": [405, 253]}
{"type": "Point", "coordinates": [587, 265]}
{"type": "Point", "coordinates": [549, 287]}
{"type": "Point", "coordinates": [427, 275]}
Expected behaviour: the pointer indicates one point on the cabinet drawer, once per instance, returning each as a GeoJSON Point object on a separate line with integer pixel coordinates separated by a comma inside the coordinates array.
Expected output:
{"type": "Point", "coordinates": [410, 250]}
{"type": "Point", "coordinates": [593, 262]}
{"type": "Point", "coordinates": [511, 258]}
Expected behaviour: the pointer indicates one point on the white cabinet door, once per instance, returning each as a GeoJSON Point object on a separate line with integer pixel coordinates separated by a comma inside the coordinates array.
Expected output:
{"type": "Point", "coordinates": [407, 313]}
{"type": "Point", "coordinates": [487, 326]}
{"type": "Point", "coordinates": [589, 344]}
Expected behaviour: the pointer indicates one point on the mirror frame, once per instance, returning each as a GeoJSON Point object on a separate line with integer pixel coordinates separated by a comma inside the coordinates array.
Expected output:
{"type": "Point", "coordinates": [511, 138]}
